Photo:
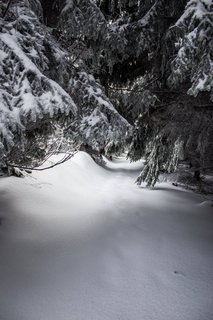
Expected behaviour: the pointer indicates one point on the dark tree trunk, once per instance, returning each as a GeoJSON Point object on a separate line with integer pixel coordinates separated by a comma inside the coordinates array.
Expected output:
{"type": "Point", "coordinates": [197, 175]}
{"type": "Point", "coordinates": [51, 12]}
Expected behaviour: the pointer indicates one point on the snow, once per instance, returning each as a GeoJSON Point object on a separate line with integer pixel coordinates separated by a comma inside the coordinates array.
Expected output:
{"type": "Point", "coordinates": [26, 95]}
{"type": "Point", "coordinates": [81, 241]}
{"type": "Point", "coordinates": [94, 118]}
{"type": "Point", "coordinates": [59, 94]}
{"type": "Point", "coordinates": [196, 10]}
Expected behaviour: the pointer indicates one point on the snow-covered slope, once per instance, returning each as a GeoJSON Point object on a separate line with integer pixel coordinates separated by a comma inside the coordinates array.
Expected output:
{"type": "Point", "coordinates": [83, 242]}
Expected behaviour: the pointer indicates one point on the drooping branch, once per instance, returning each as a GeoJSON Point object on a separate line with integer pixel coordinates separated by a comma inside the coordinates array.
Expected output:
{"type": "Point", "coordinates": [65, 158]}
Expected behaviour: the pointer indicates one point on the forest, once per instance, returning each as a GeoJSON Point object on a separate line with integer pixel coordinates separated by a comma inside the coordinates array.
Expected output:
{"type": "Point", "coordinates": [109, 76]}
{"type": "Point", "coordinates": [106, 159]}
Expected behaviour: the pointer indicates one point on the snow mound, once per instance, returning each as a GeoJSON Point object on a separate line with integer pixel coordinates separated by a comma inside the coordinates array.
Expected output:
{"type": "Point", "coordinates": [81, 241]}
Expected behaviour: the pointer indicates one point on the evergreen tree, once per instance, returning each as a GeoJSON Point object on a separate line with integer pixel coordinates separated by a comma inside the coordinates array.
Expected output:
{"type": "Point", "coordinates": [172, 62]}
{"type": "Point", "coordinates": [84, 29]}
{"type": "Point", "coordinates": [194, 36]}
{"type": "Point", "coordinates": [29, 99]}
{"type": "Point", "coordinates": [99, 68]}
{"type": "Point", "coordinates": [32, 58]}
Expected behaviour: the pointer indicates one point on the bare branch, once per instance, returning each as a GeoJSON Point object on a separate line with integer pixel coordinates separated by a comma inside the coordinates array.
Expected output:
{"type": "Point", "coordinates": [65, 158]}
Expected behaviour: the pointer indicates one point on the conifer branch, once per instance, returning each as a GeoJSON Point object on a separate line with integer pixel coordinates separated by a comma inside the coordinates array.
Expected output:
{"type": "Point", "coordinates": [7, 8]}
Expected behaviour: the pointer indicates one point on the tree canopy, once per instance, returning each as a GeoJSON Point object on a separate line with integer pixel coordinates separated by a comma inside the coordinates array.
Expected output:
{"type": "Point", "coordinates": [115, 75]}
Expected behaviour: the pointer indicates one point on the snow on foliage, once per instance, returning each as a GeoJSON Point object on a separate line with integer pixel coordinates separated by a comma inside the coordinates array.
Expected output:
{"type": "Point", "coordinates": [155, 162]}
{"type": "Point", "coordinates": [98, 122]}
{"type": "Point", "coordinates": [135, 100]}
{"type": "Point", "coordinates": [119, 61]}
{"type": "Point", "coordinates": [31, 61]}
{"type": "Point", "coordinates": [194, 60]}
{"type": "Point", "coordinates": [83, 18]}
{"type": "Point", "coordinates": [28, 97]}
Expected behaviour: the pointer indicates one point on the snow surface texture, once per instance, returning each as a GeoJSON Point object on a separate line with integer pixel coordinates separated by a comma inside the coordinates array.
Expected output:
{"type": "Point", "coordinates": [83, 242]}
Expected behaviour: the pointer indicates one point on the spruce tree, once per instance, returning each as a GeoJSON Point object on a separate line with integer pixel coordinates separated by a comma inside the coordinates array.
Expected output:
{"type": "Point", "coordinates": [41, 76]}
{"type": "Point", "coordinates": [110, 74]}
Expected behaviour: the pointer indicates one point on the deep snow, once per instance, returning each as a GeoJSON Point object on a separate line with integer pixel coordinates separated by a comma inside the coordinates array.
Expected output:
{"type": "Point", "coordinates": [82, 242]}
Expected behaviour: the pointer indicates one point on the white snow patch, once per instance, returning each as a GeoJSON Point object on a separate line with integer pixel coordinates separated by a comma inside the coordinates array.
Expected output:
{"type": "Point", "coordinates": [83, 242]}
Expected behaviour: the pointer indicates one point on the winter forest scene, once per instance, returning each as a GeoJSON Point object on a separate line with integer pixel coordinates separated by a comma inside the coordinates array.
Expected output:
{"type": "Point", "coordinates": [106, 159]}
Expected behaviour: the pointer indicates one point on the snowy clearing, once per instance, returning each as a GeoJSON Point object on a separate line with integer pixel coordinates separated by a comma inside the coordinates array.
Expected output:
{"type": "Point", "coordinates": [82, 242]}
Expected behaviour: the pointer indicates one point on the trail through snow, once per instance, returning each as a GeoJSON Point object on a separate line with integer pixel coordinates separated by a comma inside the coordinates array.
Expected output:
{"type": "Point", "coordinates": [81, 242]}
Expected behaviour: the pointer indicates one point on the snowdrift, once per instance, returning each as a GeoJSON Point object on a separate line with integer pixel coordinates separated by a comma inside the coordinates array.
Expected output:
{"type": "Point", "coordinates": [80, 241]}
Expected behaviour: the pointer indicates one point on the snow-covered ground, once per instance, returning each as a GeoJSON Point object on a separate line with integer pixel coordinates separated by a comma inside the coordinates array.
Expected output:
{"type": "Point", "coordinates": [82, 242]}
